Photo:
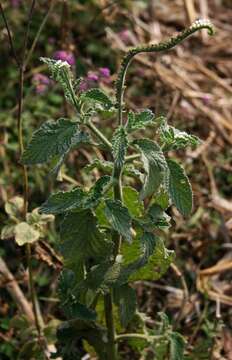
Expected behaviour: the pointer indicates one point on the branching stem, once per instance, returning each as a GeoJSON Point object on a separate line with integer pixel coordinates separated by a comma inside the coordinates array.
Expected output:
{"type": "Point", "coordinates": [22, 64]}
{"type": "Point", "coordinates": [164, 46]}
{"type": "Point", "coordinates": [99, 134]}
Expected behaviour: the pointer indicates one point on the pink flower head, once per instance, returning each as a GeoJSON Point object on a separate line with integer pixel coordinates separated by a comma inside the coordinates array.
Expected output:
{"type": "Point", "coordinates": [125, 36]}
{"type": "Point", "coordinates": [91, 76]}
{"type": "Point", "coordinates": [41, 83]}
{"type": "Point", "coordinates": [104, 72]}
{"type": "Point", "coordinates": [83, 85]}
{"type": "Point", "coordinates": [206, 99]}
{"type": "Point", "coordinates": [65, 56]}
{"type": "Point", "coordinates": [15, 3]}
{"type": "Point", "coordinates": [40, 88]}
{"type": "Point", "coordinates": [40, 79]}
{"type": "Point", "coordinates": [51, 40]}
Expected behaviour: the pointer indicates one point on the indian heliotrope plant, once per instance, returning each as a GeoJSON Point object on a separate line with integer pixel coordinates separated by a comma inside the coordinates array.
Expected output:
{"type": "Point", "coordinates": [111, 235]}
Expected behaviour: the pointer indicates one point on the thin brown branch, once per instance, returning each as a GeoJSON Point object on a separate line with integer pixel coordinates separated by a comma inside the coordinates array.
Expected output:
{"type": "Point", "coordinates": [9, 35]}
{"type": "Point", "coordinates": [185, 300]}
{"type": "Point", "coordinates": [35, 41]}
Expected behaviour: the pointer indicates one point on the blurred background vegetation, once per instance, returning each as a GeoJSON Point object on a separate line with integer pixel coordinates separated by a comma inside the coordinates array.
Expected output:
{"type": "Point", "coordinates": [192, 87]}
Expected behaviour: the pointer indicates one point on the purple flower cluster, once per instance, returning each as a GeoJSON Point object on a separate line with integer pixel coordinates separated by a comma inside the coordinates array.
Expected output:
{"type": "Point", "coordinates": [67, 56]}
{"type": "Point", "coordinates": [124, 35]}
{"type": "Point", "coordinates": [94, 77]}
{"type": "Point", "coordinates": [15, 3]}
{"type": "Point", "coordinates": [41, 83]}
{"type": "Point", "coordinates": [104, 72]}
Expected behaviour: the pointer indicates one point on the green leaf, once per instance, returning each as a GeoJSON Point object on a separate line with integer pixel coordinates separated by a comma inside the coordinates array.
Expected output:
{"type": "Point", "coordinates": [119, 146]}
{"type": "Point", "coordinates": [53, 138]}
{"type": "Point", "coordinates": [61, 72]}
{"type": "Point", "coordinates": [154, 164]}
{"type": "Point", "coordinates": [162, 198]}
{"type": "Point", "coordinates": [97, 96]}
{"type": "Point", "coordinates": [105, 166]}
{"type": "Point", "coordinates": [155, 218]}
{"type": "Point", "coordinates": [177, 345]}
{"type": "Point", "coordinates": [157, 264]}
{"type": "Point", "coordinates": [36, 219]}
{"type": "Point", "coordinates": [137, 121]}
{"type": "Point", "coordinates": [14, 207]}
{"type": "Point", "coordinates": [132, 201]}
{"type": "Point", "coordinates": [125, 299]}
{"type": "Point", "coordinates": [81, 239]}
{"type": "Point", "coordinates": [119, 218]}
{"type": "Point", "coordinates": [131, 171]}
{"type": "Point", "coordinates": [70, 334]}
{"type": "Point", "coordinates": [180, 188]}
{"type": "Point", "coordinates": [7, 232]}
{"type": "Point", "coordinates": [80, 311]}
{"type": "Point", "coordinates": [69, 303]}
{"type": "Point", "coordinates": [61, 202]}
{"type": "Point", "coordinates": [165, 322]}
{"type": "Point", "coordinates": [145, 259]}
{"type": "Point", "coordinates": [25, 234]}
{"type": "Point", "coordinates": [66, 283]}
{"type": "Point", "coordinates": [174, 139]}
{"type": "Point", "coordinates": [96, 192]}
{"type": "Point", "coordinates": [101, 277]}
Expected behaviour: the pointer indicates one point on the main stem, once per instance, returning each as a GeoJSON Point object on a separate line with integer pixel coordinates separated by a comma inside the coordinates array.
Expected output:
{"type": "Point", "coordinates": [111, 344]}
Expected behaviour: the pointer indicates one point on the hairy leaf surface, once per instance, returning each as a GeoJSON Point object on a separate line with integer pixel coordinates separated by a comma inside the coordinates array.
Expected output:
{"type": "Point", "coordinates": [75, 199]}
{"type": "Point", "coordinates": [61, 202]}
{"type": "Point", "coordinates": [81, 239]}
{"type": "Point", "coordinates": [120, 145]}
{"type": "Point", "coordinates": [61, 72]}
{"type": "Point", "coordinates": [174, 139]}
{"type": "Point", "coordinates": [25, 234]}
{"type": "Point", "coordinates": [180, 188]}
{"type": "Point", "coordinates": [137, 121]}
{"type": "Point", "coordinates": [70, 305]}
{"type": "Point", "coordinates": [119, 217]}
{"type": "Point", "coordinates": [97, 96]}
{"type": "Point", "coordinates": [96, 192]}
{"type": "Point", "coordinates": [145, 259]}
{"type": "Point", "coordinates": [154, 164]}
{"type": "Point", "coordinates": [101, 277]}
{"type": "Point", "coordinates": [125, 299]}
{"type": "Point", "coordinates": [106, 166]}
{"type": "Point", "coordinates": [132, 201]}
{"type": "Point", "coordinates": [53, 138]}
{"type": "Point", "coordinates": [177, 344]}
{"type": "Point", "coordinates": [155, 218]}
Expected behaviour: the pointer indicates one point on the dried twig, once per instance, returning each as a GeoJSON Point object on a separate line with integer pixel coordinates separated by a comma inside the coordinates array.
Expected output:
{"type": "Point", "coordinates": [190, 10]}
{"type": "Point", "coordinates": [15, 291]}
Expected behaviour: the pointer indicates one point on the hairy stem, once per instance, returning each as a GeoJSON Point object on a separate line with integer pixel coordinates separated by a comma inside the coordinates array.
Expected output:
{"type": "Point", "coordinates": [164, 46]}
{"type": "Point", "coordinates": [109, 317]}
{"type": "Point", "coordinates": [99, 134]}
{"type": "Point", "coordinates": [108, 303]}
{"type": "Point", "coordinates": [148, 338]}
